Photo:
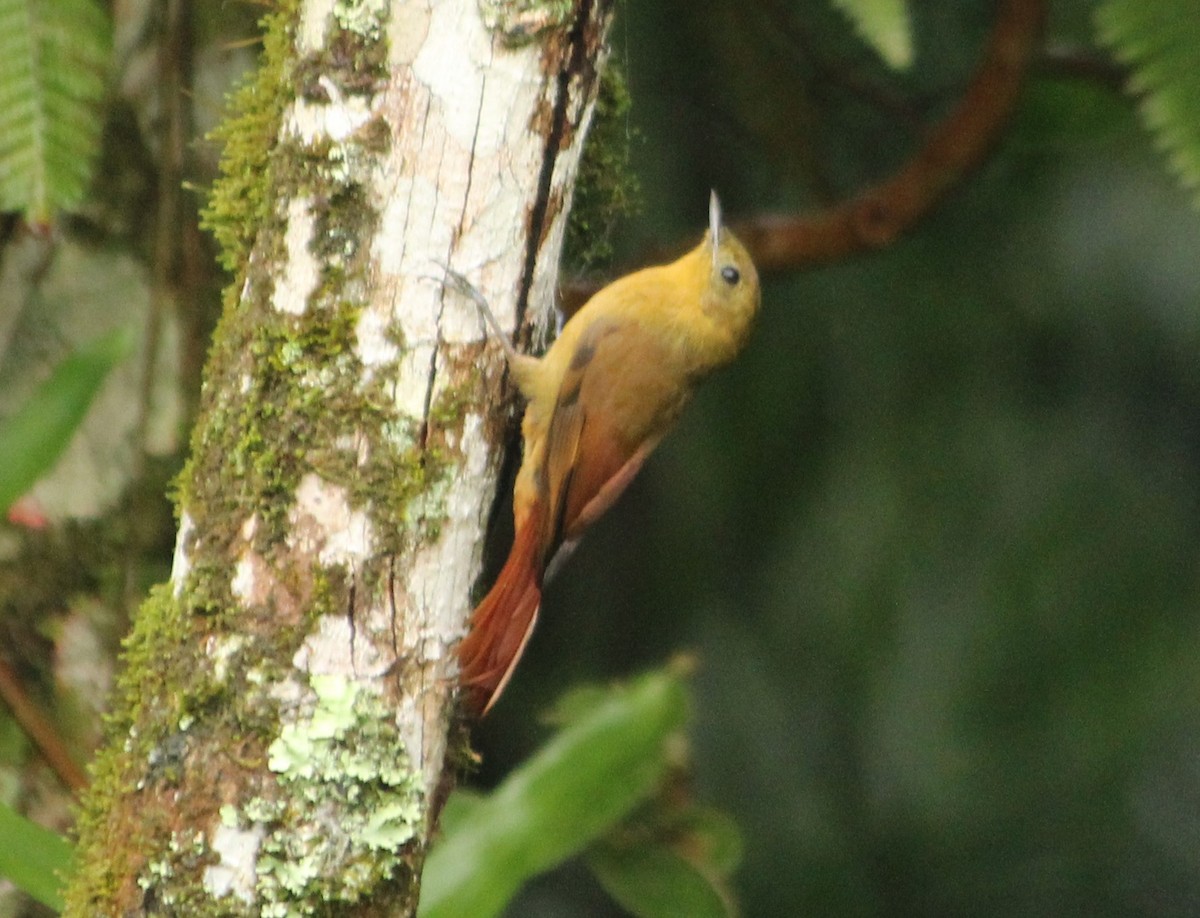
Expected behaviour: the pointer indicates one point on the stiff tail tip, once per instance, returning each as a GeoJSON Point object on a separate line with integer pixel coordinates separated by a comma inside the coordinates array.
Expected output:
{"type": "Point", "coordinates": [490, 652]}
{"type": "Point", "coordinates": [501, 626]}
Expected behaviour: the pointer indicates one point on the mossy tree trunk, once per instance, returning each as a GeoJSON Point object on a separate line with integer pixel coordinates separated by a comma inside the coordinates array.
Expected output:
{"type": "Point", "coordinates": [279, 742]}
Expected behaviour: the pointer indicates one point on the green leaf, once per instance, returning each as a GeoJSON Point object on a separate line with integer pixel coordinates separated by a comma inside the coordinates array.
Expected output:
{"type": "Point", "coordinates": [33, 438]}
{"type": "Point", "coordinates": [885, 25]}
{"type": "Point", "coordinates": [673, 858]}
{"type": "Point", "coordinates": [1160, 42]}
{"type": "Point", "coordinates": [654, 881]}
{"type": "Point", "coordinates": [585, 780]}
{"type": "Point", "coordinates": [460, 807]}
{"type": "Point", "coordinates": [53, 57]}
{"type": "Point", "coordinates": [33, 858]}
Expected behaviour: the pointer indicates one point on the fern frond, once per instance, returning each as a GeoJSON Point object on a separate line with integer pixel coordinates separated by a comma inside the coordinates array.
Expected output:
{"type": "Point", "coordinates": [1159, 40]}
{"type": "Point", "coordinates": [53, 58]}
{"type": "Point", "coordinates": [885, 25]}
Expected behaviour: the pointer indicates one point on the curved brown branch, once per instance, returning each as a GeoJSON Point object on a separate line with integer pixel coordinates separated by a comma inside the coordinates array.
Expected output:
{"type": "Point", "coordinates": [955, 147]}
{"type": "Point", "coordinates": [40, 730]}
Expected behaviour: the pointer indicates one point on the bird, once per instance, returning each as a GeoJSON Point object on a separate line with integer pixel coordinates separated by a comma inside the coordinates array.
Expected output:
{"type": "Point", "coordinates": [598, 402]}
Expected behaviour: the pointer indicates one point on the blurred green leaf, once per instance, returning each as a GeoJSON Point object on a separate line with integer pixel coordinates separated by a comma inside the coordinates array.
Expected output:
{"type": "Point", "coordinates": [53, 58]}
{"type": "Point", "coordinates": [460, 807]}
{"type": "Point", "coordinates": [576, 704]}
{"type": "Point", "coordinates": [1160, 41]}
{"type": "Point", "coordinates": [33, 858]}
{"type": "Point", "coordinates": [672, 858]}
{"type": "Point", "coordinates": [590, 775]}
{"type": "Point", "coordinates": [884, 25]}
{"type": "Point", "coordinates": [33, 438]}
{"type": "Point", "coordinates": [653, 880]}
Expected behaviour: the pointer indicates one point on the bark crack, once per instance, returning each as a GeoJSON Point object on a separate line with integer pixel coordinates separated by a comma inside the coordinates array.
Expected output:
{"type": "Point", "coordinates": [471, 155]}
{"type": "Point", "coordinates": [391, 579]}
{"type": "Point", "coordinates": [351, 602]}
{"type": "Point", "coordinates": [576, 60]}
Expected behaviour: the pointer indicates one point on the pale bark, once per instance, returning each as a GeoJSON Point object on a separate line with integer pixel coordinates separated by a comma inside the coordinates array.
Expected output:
{"type": "Point", "coordinates": [284, 733]}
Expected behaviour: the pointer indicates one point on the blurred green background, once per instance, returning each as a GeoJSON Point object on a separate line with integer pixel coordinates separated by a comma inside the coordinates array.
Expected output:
{"type": "Point", "coordinates": [934, 538]}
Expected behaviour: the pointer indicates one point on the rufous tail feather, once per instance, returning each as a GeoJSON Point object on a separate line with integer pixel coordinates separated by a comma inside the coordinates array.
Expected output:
{"type": "Point", "coordinates": [502, 623]}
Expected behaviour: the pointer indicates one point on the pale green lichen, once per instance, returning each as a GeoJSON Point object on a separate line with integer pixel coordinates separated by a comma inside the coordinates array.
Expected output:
{"type": "Point", "coordinates": [158, 873]}
{"type": "Point", "coordinates": [521, 21]}
{"type": "Point", "coordinates": [350, 801]}
{"type": "Point", "coordinates": [428, 508]}
{"type": "Point", "coordinates": [362, 17]}
{"type": "Point", "coordinates": [221, 652]}
{"type": "Point", "coordinates": [229, 815]}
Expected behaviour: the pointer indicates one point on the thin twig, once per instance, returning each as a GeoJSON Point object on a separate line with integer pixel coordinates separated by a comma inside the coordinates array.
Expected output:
{"type": "Point", "coordinates": [31, 719]}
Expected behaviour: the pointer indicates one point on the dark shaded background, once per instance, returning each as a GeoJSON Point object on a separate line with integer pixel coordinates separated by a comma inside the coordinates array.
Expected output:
{"type": "Point", "coordinates": [934, 538]}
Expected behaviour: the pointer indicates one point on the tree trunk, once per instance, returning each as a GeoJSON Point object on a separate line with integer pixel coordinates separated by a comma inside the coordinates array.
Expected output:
{"type": "Point", "coordinates": [285, 730]}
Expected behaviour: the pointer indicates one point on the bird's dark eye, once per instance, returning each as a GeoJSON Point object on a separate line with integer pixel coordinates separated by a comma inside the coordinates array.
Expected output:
{"type": "Point", "coordinates": [731, 275]}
